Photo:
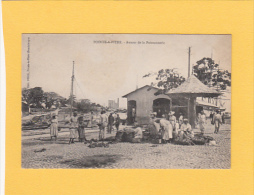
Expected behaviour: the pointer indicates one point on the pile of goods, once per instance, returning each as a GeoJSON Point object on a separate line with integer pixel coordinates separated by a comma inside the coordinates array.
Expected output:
{"type": "Point", "coordinates": [125, 135]}
{"type": "Point", "coordinates": [198, 139]}
{"type": "Point", "coordinates": [93, 143]}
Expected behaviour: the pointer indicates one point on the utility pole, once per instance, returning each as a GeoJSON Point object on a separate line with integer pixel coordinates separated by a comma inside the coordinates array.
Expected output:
{"type": "Point", "coordinates": [72, 80]}
{"type": "Point", "coordinates": [189, 62]}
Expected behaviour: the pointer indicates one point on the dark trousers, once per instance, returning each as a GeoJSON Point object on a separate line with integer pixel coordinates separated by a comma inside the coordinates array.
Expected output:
{"type": "Point", "coordinates": [117, 126]}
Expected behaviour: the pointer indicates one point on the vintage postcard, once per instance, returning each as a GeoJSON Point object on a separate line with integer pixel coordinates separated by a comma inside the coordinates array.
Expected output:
{"type": "Point", "coordinates": [126, 101]}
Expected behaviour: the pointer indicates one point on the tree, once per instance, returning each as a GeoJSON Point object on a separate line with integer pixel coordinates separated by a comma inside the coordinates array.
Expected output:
{"type": "Point", "coordinates": [166, 79]}
{"type": "Point", "coordinates": [208, 72]}
{"type": "Point", "coordinates": [85, 105]}
{"type": "Point", "coordinates": [74, 100]}
{"type": "Point", "coordinates": [33, 96]}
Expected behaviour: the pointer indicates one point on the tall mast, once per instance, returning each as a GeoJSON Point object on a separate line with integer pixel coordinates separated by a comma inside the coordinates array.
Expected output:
{"type": "Point", "coordinates": [189, 62]}
{"type": "Point", "coordinates": [72, 80]}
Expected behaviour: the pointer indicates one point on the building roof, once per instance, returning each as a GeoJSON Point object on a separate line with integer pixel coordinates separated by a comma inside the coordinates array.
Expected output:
{"type": "Point", "coordinates": [193, 87]}
{"type": "Point", "coordinates": [202, 103]}
{"type": "Point", "coordinates": [125, 96]}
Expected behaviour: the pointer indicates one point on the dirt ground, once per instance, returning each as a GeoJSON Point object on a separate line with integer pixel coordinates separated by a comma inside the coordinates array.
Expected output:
{"type": "Point", "coordinates": [39, 152]}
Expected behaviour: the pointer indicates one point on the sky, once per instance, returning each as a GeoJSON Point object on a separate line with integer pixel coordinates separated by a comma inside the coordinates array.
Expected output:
{"type": "Point", "coordinates": [105, 71]}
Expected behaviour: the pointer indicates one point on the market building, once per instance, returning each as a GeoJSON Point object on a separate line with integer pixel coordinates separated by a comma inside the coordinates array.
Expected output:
{"type": "Point", "coordinates": [143, 101]}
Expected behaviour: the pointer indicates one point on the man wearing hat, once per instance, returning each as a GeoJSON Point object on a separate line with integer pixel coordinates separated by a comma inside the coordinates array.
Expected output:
{"type": "Point", "coordinates": [217, 121]}
{"type": "Point", "coordinates": [186, 129]}
{"type": "Point", "coordinates": [172, 120]}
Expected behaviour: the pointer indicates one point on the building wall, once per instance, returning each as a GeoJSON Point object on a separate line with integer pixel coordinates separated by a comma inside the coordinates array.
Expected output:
{"type": "Point", "coordinates": [144, 103]}
{"type": "Point", "coordinates": [113, 104]}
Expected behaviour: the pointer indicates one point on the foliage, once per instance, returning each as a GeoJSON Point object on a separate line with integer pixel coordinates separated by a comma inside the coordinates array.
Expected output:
{"type": "Point", "coordinates": [166, 79]}
{"type": "Point", "coordinates": [85, 105]}
{"type": "Point", "coordinates": [36, 97]}
{"type": "Point", "coordinates": [208, 72]}
{"type": "Point", "coordinates": [33, 96]}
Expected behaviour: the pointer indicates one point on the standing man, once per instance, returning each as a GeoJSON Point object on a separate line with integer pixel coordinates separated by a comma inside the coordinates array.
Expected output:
{"type": "Point", "coordinates": [223, 118]}
{"type": "Point", "coordinates": [117, 122]}
{"type": "Point", "coordinates": [202, 122]}
{"type": "Point", "coordinates": [217, 121]}
{"type": "Point", "coordinates": [110, 123]}
{"type": "Point", "coordinates": [103, 122]}
{"type": "Point", "coordinates": [81, 128]}
{"type": "Point", "coordinates": [211, 117]}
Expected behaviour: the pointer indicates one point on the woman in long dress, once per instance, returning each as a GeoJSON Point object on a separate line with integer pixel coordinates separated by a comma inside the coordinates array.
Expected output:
{"type": "Point", "coordinates": [54, 127]}
{"type": "Point", "coordinates": [167, 129]}
{"type": "Point", "coordinates": [202, 122]}
{"type": "Point", "coordinates": [73, 127]}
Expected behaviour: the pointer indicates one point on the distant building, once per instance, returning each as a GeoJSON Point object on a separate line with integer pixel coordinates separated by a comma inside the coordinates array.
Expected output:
{"type": "Point", "coordinates": [113, 105]}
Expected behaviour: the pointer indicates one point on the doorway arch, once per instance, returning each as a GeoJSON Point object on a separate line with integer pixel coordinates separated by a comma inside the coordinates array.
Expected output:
{"type": "Point", "coordinates": [161, 106]}
{"type": "Point", "coordinates": [131, 111]}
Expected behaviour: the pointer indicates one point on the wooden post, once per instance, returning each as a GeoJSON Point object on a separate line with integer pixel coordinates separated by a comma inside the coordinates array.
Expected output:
{"type": "Point", "coordinates": [188, 111]}
{"type": "Point", "coordinates": [192, 111]}
{"type": "Point", "coordinates": [189, 63]}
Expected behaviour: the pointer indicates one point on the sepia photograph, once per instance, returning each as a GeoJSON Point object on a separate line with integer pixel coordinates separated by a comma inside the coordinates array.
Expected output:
{"type": "Point", "coordinates": [126, 101]}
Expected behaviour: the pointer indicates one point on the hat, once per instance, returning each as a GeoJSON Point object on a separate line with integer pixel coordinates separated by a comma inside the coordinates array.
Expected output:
{"type": "Point", "coordinates": [153, 113]}
{"type": "Point", "coordinates": [185, 120]}
{"type": "Point", "coordinates": [171, 112]}
{"type": "Point", "coordinates": [53, 114]}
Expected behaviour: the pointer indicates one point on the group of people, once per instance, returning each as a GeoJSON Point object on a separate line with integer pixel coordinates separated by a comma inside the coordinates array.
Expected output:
{"type": "Point", "coordinates": [108, 122]}
{"type": "Point", "coordinates": [76, 126]}
{"type": "Point", "coordinates": [169, 127]}
{"type": "Point", "coordinates": [216, 119]}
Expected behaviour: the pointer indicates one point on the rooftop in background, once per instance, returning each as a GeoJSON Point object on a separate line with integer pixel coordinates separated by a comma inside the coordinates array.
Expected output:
{"type": "Point", "coordinates": [194, 87]}
{"type": "Point", "coordinates": [125, 96]}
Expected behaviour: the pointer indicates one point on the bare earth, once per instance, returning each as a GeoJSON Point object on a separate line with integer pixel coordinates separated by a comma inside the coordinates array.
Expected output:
{"type": "Point", "coordinates": [39, 152]}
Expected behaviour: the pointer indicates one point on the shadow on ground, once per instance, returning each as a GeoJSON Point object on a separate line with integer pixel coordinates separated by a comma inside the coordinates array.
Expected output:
{"type": "Point", "coordinates": [96, 161]}
{"type": "Point", "coordinates": [45, 141]}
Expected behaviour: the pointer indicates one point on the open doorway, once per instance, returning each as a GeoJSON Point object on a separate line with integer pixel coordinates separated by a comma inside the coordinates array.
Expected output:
{"type": "Point", "coordinates": [161, 106]}
{"type": "Point", "coordinates": [131, 111]}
